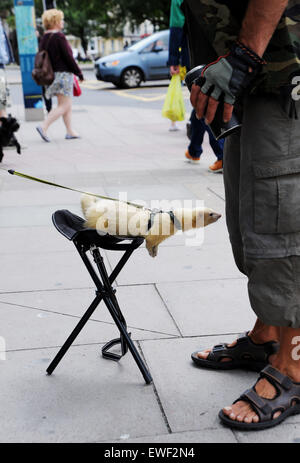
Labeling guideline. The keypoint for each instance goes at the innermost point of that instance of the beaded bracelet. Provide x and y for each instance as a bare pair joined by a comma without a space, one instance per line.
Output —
251,53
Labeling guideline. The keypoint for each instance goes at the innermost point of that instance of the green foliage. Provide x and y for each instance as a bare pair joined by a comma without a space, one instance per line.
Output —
89,18
136,11
6,8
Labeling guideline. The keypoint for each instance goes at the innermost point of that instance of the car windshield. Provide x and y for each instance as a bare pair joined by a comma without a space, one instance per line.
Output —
144,42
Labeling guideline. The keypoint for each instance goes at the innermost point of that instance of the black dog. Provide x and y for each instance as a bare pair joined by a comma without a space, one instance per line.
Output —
8,126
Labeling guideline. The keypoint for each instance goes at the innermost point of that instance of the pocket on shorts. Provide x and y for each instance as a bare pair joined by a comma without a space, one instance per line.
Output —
277,196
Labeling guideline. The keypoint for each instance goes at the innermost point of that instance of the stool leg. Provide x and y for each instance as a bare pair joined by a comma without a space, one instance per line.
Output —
124,333
73,335
112,304
111,294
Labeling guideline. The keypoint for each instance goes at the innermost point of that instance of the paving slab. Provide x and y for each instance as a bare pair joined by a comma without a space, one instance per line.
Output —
225,301
57,270
47,195
32,216
157,192
191,397
179,263
285,433
24,328
141,305
202,190
218,189
30,240
88,399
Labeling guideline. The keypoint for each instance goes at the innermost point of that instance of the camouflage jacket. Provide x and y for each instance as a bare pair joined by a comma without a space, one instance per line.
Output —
220,21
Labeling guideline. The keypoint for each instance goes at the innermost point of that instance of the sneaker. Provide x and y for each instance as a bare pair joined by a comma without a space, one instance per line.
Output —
190,158
173,128
216,167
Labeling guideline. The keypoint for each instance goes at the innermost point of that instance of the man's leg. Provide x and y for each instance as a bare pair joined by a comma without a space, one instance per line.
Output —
287,361
269,224
261,333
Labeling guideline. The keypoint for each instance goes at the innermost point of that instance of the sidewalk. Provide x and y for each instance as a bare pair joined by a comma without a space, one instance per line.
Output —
186,299
14,74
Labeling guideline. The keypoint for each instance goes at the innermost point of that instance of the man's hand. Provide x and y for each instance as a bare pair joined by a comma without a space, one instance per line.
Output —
207,106
259,24
174,70
224,80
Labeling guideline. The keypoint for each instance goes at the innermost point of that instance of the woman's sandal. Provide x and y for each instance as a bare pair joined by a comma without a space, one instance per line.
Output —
287,401
245,354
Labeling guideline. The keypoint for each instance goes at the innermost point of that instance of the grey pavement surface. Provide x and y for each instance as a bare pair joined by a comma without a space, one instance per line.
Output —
191,296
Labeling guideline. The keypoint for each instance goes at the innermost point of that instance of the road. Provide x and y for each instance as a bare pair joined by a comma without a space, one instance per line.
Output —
101,93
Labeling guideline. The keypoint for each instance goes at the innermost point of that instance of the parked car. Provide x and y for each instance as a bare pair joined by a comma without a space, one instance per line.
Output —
145,60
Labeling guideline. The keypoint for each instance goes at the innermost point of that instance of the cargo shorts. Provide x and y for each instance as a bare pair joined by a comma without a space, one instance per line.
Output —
262,189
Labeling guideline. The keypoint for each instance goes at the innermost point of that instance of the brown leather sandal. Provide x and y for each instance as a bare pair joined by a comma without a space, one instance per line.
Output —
245,354
287,401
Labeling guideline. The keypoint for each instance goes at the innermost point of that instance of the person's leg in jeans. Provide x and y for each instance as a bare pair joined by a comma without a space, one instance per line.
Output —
197,133
217,145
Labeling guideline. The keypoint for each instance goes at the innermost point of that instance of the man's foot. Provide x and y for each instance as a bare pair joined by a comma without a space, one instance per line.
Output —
216,167
264,412
248,352
256,339
191,158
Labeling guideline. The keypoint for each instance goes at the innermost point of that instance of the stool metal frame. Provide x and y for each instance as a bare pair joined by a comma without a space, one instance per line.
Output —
85,240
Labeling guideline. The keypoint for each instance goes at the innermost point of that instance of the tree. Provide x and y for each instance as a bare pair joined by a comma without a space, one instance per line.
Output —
89,18
6,8
136,12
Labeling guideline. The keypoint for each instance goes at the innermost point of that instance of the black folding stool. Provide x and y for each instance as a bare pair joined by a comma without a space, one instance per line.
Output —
85,239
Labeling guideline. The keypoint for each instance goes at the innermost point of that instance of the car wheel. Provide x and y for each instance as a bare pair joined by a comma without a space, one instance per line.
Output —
131,77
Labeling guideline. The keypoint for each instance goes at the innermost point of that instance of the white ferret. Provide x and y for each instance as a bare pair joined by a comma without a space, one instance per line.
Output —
121,219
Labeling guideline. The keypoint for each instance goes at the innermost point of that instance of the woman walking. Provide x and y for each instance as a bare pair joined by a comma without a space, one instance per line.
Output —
64,67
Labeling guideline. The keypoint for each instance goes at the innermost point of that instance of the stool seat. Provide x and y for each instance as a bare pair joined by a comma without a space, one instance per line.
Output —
72,227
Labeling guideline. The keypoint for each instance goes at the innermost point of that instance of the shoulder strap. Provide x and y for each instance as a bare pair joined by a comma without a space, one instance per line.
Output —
48,41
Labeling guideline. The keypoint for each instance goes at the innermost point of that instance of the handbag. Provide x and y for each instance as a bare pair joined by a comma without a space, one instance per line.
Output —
76,87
